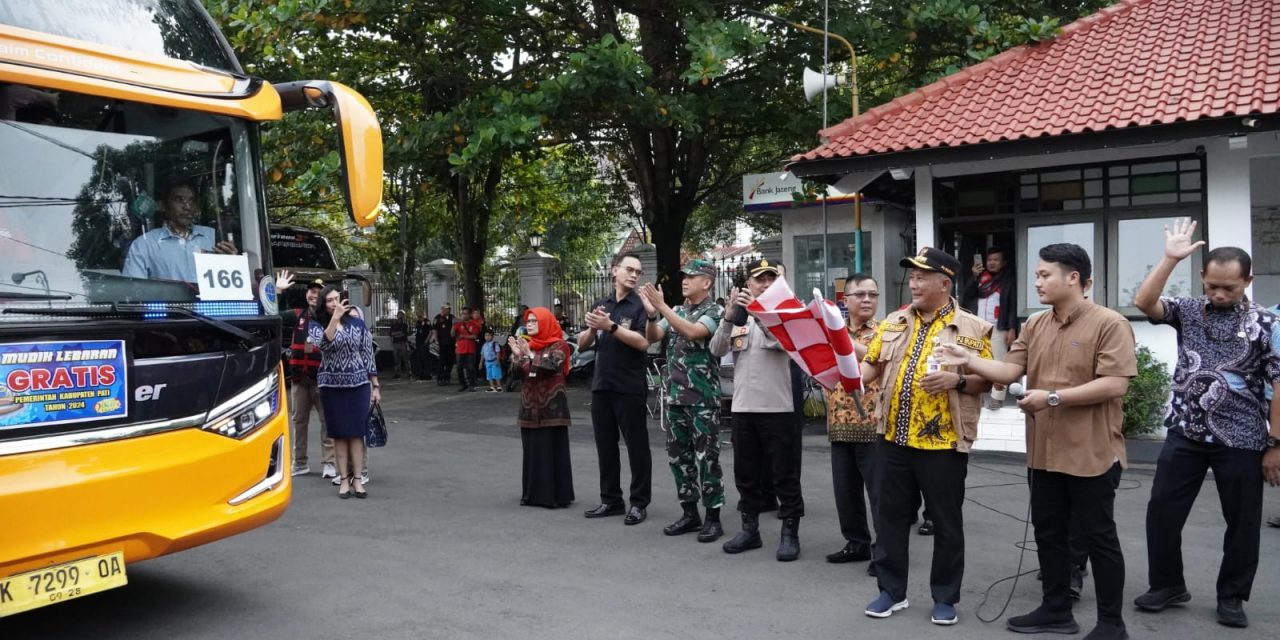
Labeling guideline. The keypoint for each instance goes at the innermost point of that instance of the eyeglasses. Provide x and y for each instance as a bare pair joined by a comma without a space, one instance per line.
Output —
866,294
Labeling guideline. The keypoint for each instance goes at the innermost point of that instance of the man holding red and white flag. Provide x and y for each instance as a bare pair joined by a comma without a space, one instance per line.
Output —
764,435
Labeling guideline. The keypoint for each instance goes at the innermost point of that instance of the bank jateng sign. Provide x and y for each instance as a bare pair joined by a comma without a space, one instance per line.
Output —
763,191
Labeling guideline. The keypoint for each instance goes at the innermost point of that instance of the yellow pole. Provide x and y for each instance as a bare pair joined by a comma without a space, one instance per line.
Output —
853,62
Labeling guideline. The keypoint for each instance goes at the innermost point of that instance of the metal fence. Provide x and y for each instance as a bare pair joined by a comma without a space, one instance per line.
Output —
576,295
501,299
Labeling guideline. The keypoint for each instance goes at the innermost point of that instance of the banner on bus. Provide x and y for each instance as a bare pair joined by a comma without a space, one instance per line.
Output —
48,383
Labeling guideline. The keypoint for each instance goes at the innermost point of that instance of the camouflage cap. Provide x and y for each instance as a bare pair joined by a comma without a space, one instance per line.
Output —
699,267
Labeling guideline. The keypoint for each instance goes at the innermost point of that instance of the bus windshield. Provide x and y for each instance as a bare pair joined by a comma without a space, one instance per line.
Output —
169,28
104,201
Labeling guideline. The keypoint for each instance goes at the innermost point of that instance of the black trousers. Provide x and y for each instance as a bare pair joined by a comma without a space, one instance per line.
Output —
467,369
1067,509
853,466
901,473
767,441
447,358
614,414
1180,472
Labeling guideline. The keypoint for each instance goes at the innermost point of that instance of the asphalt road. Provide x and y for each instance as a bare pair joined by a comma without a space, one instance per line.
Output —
442,549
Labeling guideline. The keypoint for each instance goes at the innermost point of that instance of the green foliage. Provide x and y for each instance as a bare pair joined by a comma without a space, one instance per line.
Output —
908,45
674,102
1144,403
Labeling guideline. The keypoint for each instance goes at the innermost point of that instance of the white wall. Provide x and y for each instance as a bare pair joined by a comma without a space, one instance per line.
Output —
884,222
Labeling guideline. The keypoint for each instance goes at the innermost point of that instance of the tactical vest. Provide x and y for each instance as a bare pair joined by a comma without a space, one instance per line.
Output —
303,365
964,329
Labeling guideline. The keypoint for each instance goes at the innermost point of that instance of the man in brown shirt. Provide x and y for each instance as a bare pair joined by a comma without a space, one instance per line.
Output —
1078,358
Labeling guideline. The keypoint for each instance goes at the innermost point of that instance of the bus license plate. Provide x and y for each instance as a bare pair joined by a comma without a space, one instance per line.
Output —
61,582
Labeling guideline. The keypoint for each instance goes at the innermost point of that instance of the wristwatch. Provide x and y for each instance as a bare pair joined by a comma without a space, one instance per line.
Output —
960,384
653,318
1054,399
613,328
1273,442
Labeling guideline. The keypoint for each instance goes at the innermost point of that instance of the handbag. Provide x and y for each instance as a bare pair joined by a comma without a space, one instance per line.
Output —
375,434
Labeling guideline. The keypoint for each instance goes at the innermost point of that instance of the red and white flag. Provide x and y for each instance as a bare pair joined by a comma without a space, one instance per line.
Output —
814,335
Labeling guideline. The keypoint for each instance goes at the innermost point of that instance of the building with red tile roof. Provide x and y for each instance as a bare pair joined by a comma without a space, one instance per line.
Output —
1146,111
1135,64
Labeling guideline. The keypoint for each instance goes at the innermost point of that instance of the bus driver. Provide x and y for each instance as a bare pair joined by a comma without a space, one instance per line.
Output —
165,253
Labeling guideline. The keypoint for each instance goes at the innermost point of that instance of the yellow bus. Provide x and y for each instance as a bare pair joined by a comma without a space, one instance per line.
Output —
142,404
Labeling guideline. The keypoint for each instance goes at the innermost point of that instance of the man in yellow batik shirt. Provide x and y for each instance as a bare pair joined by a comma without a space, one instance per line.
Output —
929,419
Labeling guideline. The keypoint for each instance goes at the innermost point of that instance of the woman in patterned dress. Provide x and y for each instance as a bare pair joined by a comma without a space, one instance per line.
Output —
348,382
541,359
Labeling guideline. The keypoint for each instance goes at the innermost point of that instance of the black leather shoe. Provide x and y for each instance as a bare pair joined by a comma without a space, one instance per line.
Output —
1231,613
635,516
852,552
871,570
926,528
1274,521
1157,600
604,511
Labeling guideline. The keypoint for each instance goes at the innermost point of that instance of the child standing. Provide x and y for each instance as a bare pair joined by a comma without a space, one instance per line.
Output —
490,353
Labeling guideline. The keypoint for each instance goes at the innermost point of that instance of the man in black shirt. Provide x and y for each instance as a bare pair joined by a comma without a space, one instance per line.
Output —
616,325
443,326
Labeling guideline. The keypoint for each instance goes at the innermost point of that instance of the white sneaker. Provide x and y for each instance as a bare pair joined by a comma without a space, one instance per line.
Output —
300,471
329,471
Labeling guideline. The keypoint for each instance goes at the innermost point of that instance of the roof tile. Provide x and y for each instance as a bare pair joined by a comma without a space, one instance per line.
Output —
1134,63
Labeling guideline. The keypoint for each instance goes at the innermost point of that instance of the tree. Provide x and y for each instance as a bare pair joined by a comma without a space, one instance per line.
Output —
679,97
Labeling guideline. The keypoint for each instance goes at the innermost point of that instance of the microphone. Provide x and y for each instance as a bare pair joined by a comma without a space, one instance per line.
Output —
1017,390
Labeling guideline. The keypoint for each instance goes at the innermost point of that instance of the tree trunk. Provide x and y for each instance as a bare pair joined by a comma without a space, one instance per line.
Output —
473,206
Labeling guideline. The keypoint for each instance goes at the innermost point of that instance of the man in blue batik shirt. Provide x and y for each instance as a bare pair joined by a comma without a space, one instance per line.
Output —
1219,417
166,253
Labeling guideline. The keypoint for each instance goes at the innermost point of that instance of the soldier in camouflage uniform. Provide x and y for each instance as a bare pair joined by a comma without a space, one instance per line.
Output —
692,397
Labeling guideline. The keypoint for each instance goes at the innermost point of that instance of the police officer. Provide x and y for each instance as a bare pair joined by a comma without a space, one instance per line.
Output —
693,397
764,426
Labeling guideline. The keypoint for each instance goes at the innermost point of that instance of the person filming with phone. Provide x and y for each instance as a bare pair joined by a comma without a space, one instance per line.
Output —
348,379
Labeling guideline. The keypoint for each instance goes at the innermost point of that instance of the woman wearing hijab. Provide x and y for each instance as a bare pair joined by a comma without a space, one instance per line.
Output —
348,382
541,359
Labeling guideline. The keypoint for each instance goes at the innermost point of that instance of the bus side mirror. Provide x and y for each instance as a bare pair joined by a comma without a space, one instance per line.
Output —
359,136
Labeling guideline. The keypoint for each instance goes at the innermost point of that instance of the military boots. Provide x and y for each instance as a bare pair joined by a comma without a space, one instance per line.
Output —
687,523
748,538
711,529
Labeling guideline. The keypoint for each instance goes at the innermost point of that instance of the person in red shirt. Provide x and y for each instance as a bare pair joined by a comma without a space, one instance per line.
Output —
464,333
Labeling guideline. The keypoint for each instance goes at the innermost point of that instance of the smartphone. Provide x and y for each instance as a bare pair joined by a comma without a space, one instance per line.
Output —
344,296
977,259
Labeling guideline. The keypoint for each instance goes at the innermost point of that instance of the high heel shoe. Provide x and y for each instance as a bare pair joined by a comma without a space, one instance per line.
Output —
359,494
345,494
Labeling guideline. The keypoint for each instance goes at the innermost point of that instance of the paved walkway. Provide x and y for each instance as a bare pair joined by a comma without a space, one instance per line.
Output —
443,550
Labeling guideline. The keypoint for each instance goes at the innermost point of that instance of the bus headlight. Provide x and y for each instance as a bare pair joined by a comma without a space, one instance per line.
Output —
245,413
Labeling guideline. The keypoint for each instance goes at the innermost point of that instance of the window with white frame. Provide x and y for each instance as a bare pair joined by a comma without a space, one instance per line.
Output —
1116,211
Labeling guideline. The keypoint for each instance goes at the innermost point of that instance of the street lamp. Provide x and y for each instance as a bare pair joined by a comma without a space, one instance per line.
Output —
535,240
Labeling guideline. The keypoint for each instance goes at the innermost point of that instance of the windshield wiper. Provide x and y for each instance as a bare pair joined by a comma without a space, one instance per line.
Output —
247,340
18,295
